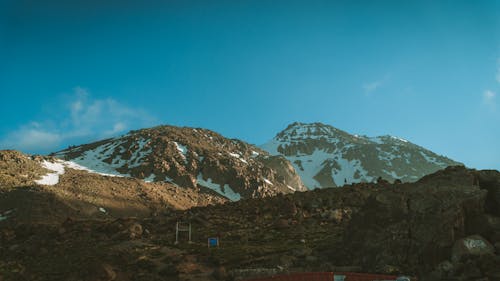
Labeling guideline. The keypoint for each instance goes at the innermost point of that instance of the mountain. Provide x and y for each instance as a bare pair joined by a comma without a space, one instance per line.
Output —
325,156
193,158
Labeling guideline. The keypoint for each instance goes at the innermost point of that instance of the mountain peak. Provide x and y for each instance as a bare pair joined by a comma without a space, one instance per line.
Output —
326,156
298,131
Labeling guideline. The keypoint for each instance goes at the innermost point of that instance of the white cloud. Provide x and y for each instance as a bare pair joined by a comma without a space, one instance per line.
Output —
370,87
118,127
30,138
489,99
374,85
489,96
84,119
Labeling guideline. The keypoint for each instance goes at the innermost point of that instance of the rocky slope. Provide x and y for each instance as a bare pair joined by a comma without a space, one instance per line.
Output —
191,158
446,226
325,156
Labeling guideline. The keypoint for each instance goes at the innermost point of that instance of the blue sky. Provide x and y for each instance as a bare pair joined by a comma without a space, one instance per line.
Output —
427,71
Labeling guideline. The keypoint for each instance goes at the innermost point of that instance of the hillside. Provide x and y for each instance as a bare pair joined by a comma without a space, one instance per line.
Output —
446,226
190,158
45,188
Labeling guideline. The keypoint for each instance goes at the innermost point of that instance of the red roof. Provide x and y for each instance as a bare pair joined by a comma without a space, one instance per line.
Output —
327,276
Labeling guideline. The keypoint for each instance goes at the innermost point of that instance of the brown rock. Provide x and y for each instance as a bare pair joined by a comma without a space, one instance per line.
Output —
135,231
336,215
108,273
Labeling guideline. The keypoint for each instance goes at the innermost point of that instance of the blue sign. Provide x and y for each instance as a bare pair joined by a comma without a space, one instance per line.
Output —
213,241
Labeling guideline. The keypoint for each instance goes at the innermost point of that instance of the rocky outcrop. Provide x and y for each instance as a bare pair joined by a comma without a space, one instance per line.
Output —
426,228
416,223
325,156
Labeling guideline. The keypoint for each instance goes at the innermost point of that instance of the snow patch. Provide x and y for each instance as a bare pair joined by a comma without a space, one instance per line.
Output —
237,155
75,166
291,188
311,165
377,140
102,210
93,160
268,181
181,148
51,178
348,170
227,191
432,159
399,139
150,178
392,174
140,153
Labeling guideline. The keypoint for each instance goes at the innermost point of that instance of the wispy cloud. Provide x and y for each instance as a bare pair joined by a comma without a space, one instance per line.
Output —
83,119
489,99
372,86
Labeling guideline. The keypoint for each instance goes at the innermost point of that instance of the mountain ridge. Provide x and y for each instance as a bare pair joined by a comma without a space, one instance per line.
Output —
189,157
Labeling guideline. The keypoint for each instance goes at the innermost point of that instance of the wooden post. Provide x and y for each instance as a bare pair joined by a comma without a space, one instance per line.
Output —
180,227
177,233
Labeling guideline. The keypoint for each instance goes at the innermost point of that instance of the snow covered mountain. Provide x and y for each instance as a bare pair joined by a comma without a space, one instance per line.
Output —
193,158
325,156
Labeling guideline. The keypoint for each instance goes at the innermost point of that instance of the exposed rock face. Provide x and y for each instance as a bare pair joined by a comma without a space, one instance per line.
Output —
325,156
18,169
193,158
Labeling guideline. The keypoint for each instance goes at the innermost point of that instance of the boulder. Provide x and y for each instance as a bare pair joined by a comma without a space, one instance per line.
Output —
135,231
336,215
471,246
